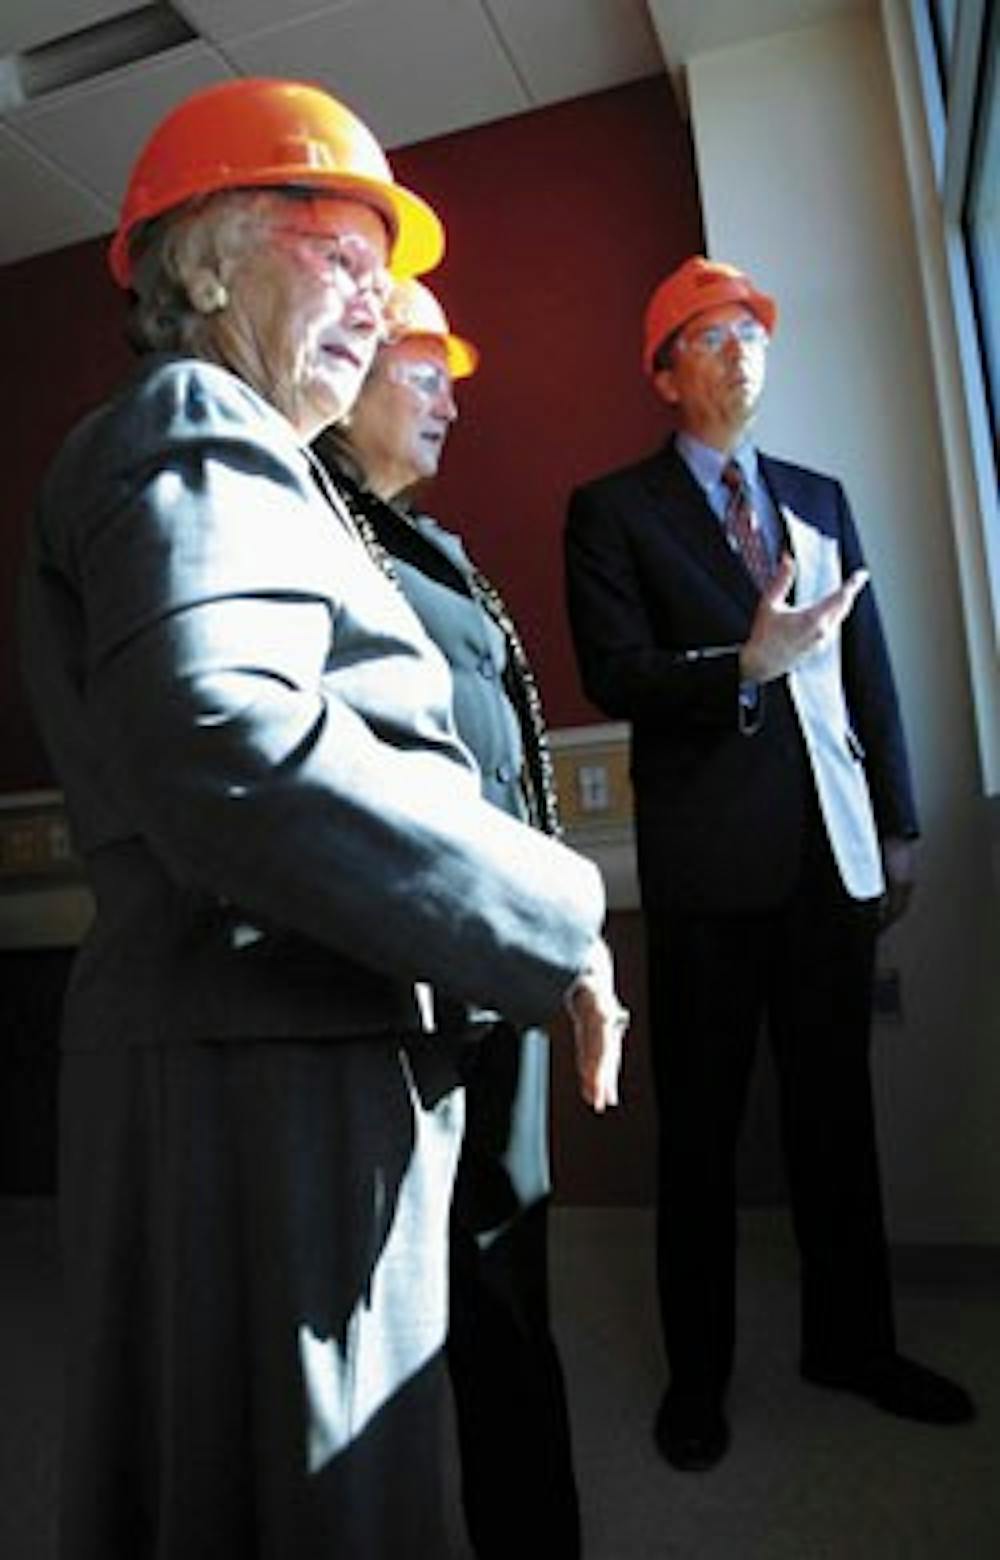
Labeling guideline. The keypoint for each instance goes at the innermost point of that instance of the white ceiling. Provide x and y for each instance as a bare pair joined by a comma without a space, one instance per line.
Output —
412,68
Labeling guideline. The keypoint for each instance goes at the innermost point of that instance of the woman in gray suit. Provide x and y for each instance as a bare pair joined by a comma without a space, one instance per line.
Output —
512,1418
293,872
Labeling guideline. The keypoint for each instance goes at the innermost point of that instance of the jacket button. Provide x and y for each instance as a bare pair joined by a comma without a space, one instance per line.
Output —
504,773
487,669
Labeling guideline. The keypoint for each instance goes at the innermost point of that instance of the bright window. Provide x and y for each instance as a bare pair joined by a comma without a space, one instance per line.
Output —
954,161
944,17
982,226
964,116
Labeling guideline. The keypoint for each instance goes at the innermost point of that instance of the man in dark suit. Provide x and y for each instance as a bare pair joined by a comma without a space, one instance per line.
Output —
513,1425
717,599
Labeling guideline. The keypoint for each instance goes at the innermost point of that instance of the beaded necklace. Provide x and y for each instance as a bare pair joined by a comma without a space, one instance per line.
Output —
538,778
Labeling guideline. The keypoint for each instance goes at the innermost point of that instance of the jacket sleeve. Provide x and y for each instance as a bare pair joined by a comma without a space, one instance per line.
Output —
634,662
872,700
277,754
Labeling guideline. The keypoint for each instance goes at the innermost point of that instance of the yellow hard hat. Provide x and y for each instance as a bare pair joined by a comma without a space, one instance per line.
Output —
413,310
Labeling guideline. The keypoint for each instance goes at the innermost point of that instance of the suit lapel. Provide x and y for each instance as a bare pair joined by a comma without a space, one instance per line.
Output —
330,491
415,540
444,546
678,501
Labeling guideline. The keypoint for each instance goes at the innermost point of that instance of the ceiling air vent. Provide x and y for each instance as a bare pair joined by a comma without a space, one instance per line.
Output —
80,56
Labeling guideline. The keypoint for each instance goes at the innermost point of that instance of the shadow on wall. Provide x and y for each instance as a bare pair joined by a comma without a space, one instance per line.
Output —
32,982
610,1160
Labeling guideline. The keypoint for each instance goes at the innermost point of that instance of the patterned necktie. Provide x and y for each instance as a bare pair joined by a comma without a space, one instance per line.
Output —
742,526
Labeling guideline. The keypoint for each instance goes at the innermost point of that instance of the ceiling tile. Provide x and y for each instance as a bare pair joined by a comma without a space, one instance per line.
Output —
566,48
42,208
25,23
411,68
219,20
95,130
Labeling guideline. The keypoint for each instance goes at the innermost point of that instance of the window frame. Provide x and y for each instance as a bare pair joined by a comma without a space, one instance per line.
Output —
939,99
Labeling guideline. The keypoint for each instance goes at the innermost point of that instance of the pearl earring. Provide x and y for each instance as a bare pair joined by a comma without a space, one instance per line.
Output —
207,293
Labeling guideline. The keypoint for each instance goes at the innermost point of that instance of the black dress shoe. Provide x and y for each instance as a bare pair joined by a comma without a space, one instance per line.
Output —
691,1432
899,1386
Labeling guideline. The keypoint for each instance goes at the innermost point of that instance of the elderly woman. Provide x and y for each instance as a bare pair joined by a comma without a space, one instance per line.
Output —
288,849
508,1383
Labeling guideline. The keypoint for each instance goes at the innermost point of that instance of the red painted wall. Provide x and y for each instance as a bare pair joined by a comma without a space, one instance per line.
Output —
560,222
63,350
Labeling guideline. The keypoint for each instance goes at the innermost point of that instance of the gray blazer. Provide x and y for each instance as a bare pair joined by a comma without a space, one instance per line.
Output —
255,740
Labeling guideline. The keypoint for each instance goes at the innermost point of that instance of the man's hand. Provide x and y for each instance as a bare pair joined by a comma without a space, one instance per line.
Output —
899,862
599,1024
781,635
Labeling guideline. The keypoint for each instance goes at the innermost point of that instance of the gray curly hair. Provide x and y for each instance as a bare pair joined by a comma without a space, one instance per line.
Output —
210,234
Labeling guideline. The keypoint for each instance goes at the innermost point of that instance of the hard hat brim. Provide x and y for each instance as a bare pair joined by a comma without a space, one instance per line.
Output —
416,231
419,233
463,357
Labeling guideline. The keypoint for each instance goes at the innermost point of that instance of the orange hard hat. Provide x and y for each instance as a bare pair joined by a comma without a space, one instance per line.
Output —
697,285
249,134
413,310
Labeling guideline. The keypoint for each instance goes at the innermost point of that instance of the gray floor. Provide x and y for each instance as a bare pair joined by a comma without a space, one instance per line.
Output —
812,1475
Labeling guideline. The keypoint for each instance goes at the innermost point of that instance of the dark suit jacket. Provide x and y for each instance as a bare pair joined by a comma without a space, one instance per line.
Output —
505,1160
659,606
254,736
434,572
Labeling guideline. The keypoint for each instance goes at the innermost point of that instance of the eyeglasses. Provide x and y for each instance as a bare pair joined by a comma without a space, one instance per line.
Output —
429,380
712,339
345,255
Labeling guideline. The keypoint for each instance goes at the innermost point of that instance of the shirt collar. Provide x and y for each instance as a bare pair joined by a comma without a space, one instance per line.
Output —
706,463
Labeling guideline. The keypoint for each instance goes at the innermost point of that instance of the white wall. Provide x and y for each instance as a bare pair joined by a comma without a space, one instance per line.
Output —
803,183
